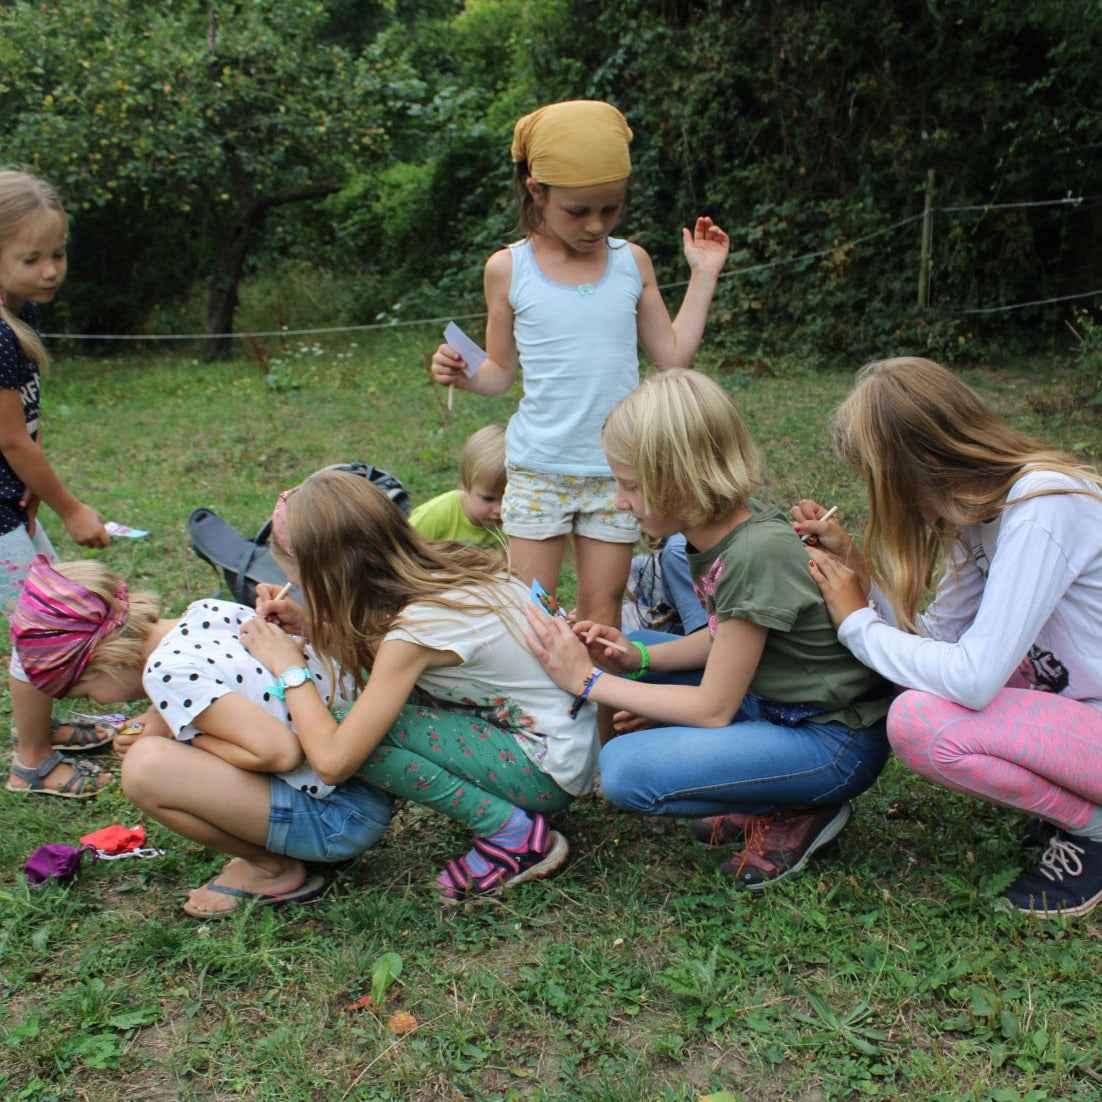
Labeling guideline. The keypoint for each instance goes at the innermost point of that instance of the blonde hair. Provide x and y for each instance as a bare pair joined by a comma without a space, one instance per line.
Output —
25,198
124,647
918,435
360,563
688,445
482,459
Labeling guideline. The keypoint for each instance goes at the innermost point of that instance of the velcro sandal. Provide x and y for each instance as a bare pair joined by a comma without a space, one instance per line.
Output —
87,780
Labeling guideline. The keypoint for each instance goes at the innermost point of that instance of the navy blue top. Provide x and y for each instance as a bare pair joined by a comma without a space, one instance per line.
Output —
17,372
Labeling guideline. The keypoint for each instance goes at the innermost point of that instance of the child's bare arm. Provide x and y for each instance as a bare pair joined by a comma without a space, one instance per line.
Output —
674,343
27,459
499,370
243,734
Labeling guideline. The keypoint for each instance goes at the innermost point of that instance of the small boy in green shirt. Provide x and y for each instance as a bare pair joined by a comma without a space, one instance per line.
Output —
472,513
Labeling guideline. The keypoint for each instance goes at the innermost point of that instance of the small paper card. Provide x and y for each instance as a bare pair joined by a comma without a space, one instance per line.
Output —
121,531
465,347
545,600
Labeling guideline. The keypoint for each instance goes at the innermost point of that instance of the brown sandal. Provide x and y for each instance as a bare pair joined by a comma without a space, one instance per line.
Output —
82,785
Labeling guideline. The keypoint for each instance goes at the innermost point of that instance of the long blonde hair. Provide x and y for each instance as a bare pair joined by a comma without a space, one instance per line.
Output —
360,563
25,198
688,445
918,436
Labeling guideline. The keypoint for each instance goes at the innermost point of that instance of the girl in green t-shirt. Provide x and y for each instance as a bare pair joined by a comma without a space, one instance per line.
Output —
761,729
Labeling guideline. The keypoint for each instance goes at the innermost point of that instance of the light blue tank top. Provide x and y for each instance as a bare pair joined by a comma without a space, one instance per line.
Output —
578,351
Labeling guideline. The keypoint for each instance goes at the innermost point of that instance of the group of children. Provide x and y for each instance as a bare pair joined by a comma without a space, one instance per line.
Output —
419,667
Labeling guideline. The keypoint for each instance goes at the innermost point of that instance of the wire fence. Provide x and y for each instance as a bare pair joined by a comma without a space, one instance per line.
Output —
740,272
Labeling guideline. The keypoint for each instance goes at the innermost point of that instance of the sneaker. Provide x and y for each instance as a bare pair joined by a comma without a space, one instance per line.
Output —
1068,881
1036,833
721,830
778,845
546,852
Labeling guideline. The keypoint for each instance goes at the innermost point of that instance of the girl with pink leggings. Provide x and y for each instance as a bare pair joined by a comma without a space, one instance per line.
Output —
1002,670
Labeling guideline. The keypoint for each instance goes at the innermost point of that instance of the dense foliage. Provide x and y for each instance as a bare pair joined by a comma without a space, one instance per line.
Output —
802,126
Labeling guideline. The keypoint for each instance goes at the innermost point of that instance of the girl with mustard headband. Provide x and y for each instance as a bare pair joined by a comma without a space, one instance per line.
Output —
573,304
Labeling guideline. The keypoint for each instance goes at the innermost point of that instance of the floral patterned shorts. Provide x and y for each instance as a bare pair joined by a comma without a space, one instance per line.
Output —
539,506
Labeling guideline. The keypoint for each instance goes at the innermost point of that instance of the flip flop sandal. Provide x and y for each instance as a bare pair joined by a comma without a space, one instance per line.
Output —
84,736
82,785
310,889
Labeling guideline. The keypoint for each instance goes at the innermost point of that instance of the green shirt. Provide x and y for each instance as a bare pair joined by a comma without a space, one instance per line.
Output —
758,572
442,518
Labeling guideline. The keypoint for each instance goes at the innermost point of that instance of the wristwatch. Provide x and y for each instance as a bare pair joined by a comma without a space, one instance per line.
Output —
291,679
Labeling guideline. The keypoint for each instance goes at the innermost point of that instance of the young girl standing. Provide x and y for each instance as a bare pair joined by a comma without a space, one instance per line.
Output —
487,740
1004,665
33,231
227,770
573,304
784,727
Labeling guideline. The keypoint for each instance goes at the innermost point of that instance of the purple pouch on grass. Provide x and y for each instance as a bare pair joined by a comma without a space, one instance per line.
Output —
55,860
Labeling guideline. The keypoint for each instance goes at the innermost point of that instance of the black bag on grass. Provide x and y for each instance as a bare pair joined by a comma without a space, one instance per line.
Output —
245,562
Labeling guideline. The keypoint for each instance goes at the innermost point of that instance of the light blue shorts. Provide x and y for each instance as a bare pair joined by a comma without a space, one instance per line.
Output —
17,551
351,819
539,505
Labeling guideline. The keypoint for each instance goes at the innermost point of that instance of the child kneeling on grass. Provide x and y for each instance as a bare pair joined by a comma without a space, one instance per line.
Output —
783,727
489,740
228,771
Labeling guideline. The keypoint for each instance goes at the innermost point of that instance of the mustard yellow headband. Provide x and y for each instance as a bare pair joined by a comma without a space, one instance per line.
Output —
579,143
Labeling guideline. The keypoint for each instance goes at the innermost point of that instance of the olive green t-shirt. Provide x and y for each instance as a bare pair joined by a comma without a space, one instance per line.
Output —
758,572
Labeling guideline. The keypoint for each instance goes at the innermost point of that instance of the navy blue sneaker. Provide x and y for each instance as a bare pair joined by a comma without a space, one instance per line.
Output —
1068,881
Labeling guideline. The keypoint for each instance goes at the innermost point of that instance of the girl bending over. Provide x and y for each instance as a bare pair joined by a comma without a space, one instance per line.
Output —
1004,666
488,739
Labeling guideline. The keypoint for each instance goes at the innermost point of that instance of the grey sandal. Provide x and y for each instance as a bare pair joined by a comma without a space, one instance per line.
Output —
82,785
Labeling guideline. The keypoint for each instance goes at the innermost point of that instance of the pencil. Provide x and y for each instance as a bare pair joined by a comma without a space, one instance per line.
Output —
812,540
283,592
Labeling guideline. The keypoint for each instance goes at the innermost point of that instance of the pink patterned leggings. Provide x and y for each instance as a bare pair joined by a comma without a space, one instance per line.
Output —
1036,752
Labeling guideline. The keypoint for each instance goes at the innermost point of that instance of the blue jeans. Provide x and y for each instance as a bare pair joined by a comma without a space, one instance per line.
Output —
351,819
751,765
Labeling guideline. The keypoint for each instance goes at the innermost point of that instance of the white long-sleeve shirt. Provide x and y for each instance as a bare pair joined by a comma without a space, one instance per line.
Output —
1023,591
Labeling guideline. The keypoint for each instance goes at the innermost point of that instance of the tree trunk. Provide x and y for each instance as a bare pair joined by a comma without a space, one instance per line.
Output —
222,289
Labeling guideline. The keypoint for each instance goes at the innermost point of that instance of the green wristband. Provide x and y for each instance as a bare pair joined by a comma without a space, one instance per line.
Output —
644,654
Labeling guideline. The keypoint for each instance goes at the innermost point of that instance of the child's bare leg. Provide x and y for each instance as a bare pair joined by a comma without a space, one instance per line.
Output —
214,803
540,559
31,711
603,570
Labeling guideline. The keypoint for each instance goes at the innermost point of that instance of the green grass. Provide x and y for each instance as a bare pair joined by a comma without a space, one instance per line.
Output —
887,970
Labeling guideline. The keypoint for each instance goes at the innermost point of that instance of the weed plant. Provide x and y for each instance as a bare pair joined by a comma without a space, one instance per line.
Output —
887,970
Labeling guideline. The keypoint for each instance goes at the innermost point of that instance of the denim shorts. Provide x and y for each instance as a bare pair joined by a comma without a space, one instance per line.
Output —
351,819
540,506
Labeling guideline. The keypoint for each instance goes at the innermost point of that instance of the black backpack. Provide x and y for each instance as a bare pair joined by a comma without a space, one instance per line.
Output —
245,562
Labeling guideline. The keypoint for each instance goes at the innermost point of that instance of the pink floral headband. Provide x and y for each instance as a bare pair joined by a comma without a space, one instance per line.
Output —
58,623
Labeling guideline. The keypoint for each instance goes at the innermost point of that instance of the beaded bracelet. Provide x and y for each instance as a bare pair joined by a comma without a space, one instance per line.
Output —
583,692
644,654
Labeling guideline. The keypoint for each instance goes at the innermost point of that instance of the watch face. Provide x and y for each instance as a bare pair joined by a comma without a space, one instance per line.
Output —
294,677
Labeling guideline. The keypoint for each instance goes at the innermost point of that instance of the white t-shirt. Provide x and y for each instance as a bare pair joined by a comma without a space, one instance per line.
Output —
1025,592
501,679
202,659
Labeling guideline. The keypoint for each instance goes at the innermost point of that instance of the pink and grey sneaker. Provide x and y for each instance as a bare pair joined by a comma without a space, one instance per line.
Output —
545,853
779,845
722,830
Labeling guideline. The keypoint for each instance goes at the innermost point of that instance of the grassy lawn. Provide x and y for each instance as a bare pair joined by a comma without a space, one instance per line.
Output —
887,970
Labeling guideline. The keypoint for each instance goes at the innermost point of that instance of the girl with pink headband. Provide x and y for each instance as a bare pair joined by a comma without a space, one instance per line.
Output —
227,770
570,305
